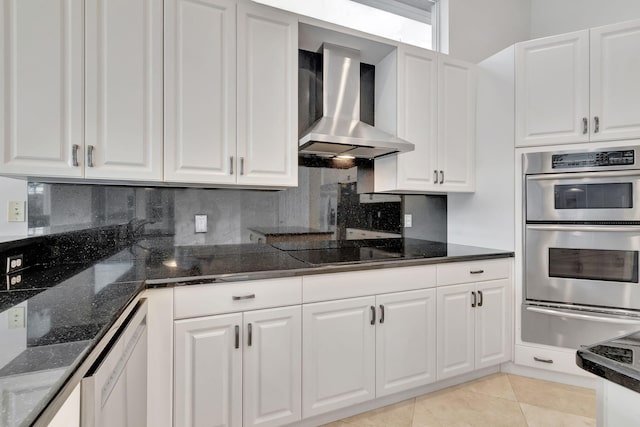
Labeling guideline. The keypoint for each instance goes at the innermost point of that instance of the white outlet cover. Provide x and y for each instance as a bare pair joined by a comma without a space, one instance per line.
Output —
408,220
201,223
16,317
16,211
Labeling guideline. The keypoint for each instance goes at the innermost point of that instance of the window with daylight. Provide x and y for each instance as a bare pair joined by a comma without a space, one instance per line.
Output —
409,21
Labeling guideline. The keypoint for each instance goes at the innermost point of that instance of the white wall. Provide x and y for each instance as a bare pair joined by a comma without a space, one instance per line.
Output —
549,17
12,189
478,29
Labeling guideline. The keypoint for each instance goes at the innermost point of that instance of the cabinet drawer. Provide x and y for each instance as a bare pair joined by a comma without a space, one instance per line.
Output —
474,271
204,300
549,359
324,287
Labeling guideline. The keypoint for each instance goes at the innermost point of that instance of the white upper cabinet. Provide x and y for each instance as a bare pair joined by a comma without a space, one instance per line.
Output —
436,112
615,81
200,91
579,87
456,125
267,97
123,64
552,90
230,94
41,87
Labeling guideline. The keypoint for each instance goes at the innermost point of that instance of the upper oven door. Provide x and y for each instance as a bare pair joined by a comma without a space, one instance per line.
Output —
585,265
587,196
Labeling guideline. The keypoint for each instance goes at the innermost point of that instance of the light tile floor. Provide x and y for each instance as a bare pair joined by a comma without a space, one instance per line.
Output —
492,401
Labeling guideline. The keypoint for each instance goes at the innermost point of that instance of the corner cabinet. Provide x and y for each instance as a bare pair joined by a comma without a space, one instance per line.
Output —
230,94
69,55
436,105
579,87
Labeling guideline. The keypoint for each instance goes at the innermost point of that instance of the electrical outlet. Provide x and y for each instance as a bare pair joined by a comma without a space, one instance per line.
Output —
408,220
16,317
201,223
16,211
15,263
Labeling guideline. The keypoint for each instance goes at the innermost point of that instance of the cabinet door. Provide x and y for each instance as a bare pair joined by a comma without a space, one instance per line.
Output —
615,81
417,88
552,90
208,371
337,354
272,366
493,323
455,330
456,124
124,89
200,91
267,97
41,87
405,341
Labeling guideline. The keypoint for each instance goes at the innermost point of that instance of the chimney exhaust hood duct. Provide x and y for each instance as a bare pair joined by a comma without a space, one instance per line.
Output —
340,132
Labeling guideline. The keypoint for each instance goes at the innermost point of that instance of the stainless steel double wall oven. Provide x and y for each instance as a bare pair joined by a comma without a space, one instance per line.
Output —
582,240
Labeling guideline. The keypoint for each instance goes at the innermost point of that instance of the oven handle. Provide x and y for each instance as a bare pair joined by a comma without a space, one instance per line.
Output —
579,175
607,228
573,315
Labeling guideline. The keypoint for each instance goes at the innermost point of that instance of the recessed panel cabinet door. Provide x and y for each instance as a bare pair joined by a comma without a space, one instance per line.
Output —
552,90
338,354
456,124
417,89
405,341
272,366
41,87
200,91
124,89
267,97
615,82
493,323
455,342
208,372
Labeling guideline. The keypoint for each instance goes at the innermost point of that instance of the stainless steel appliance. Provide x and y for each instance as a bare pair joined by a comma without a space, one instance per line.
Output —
114,393
582,239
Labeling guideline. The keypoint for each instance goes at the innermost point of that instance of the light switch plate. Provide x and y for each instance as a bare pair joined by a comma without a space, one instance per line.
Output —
201,223
408,220
16,211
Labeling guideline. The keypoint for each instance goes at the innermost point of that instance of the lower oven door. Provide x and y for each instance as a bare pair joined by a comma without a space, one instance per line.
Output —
584,265
562,327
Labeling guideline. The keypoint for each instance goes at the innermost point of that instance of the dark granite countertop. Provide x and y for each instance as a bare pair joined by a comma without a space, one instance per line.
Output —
617,360
281,231
70,305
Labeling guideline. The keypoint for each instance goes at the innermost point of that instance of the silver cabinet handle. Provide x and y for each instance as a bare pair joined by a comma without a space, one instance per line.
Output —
250,328
537,359
241,165
435,177
74,155
231,165
596,124
241,297
481,298
441,177
90,149
237,336
476,271
473,293
373,315
585,125
381,313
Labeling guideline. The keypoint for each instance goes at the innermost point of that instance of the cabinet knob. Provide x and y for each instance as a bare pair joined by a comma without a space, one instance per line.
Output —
481,298
585,125
441,177
373,315
250,333
231,165
74,155
435,177
241,165
474,303
90,149
537,359
596,124
237,336
381,313
241,297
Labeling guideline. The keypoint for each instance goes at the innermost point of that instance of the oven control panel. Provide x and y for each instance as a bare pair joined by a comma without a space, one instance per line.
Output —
593,159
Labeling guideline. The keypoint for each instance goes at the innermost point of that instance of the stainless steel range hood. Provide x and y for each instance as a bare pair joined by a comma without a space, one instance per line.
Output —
340,132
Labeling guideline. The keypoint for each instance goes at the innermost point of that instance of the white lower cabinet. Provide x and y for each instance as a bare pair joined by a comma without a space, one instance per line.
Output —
238,369
360,348
474,326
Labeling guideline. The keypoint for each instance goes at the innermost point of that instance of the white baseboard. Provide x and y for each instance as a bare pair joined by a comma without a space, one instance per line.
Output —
395,398
542,374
